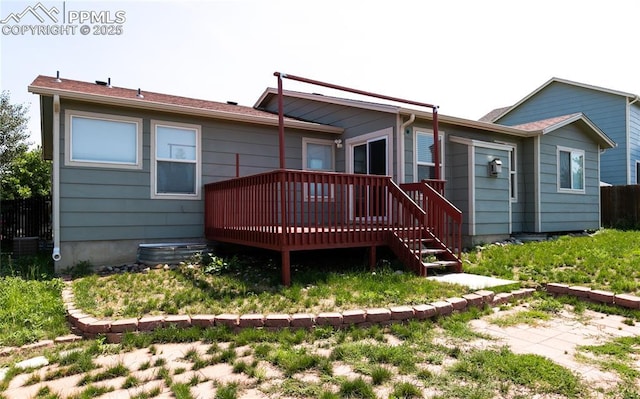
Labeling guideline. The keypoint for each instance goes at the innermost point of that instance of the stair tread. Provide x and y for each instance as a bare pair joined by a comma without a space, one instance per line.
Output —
430,250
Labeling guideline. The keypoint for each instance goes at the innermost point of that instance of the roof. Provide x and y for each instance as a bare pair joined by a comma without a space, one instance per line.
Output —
104,94
545,126
493,114
497,115
527,130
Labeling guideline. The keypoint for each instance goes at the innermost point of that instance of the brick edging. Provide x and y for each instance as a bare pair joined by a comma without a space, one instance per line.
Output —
90,327
607,297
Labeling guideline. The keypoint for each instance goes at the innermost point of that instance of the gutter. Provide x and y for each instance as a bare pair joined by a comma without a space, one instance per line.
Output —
55,184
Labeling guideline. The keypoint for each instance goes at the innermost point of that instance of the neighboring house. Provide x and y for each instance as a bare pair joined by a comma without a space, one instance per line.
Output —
135,167
616,113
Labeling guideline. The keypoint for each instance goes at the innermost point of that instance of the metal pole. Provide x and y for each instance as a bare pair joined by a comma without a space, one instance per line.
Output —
280,119
356,91
436,143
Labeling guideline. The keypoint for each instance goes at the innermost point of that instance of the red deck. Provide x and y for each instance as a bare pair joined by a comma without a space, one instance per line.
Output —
292,210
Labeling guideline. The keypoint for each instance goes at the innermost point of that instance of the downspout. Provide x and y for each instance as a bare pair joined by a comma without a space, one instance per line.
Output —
400,157
55,184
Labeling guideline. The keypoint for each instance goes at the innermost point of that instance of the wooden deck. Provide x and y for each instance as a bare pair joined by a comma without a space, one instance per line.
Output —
292,210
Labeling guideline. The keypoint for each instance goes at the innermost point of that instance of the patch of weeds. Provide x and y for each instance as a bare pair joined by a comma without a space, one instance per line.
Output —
380,375
401,356
151,393
530,317
240,366
405,390
12,372
292,361
34,378
293,387
425,375
179,370
75,362
181,391
30,310
532,371
164,374
457,324
130,382
119,370
262,351
357,388
144,366
93,391
160,361
45,393
226,356
228,391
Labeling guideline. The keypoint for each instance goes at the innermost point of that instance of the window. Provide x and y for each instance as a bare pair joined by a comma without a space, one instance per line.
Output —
100,140
425,160
318,155
570,169
637,172
176,160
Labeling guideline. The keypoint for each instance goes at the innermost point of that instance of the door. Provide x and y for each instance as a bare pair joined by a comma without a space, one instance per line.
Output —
370,158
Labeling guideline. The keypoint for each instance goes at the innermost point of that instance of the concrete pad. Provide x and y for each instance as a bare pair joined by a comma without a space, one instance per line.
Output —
473,281
35,362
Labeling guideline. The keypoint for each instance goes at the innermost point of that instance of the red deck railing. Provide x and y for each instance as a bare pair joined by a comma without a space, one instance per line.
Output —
289,210
444,220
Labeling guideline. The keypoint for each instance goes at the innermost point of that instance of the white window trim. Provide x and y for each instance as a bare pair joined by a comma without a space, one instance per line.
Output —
584,171
331,144
154,178
441,135
513,174
69,161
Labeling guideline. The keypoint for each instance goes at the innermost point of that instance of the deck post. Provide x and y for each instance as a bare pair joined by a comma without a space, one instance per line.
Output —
372,258
286,268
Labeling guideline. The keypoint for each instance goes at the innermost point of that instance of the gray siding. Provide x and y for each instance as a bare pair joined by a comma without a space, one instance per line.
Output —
458,181
100,204
491,194
607,111
634,140
527,187
354,121
561,211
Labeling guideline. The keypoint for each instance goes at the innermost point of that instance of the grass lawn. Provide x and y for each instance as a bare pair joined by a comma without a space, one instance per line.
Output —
252,285
443,356
608,259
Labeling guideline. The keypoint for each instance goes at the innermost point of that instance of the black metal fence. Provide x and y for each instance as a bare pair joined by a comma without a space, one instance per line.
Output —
30,217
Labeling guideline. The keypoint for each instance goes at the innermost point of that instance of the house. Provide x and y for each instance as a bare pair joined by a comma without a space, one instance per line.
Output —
616,113
134,167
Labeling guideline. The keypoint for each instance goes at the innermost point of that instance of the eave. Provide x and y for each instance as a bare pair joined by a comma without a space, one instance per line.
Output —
181,109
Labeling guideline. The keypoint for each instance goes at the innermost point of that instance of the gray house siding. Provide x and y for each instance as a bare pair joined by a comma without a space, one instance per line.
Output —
527,196
634,140
492,203
607,111
354,121
562,211
458,186
106,212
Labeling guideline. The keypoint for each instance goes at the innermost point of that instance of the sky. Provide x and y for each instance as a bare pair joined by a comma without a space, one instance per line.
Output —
466,56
